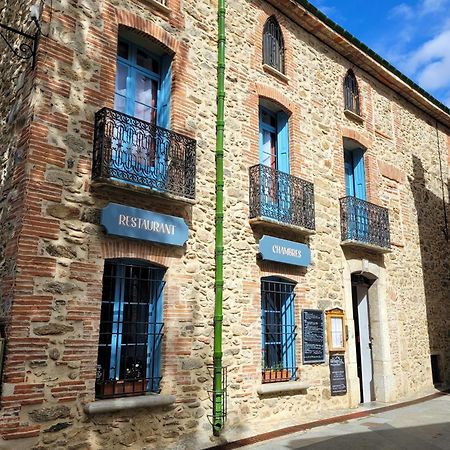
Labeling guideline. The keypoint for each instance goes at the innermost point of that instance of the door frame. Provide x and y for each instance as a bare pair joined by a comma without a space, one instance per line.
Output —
360,293
384,381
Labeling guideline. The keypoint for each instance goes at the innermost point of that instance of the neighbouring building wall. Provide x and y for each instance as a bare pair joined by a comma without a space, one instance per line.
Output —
51,363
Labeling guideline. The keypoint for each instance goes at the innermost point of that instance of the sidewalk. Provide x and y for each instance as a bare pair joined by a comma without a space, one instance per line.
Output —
421,424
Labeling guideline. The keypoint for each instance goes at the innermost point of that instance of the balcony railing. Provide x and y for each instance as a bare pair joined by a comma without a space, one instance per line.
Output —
281,197
140,153
364,222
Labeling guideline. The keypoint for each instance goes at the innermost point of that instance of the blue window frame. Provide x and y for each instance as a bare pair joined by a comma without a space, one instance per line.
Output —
131,328
274,139
355,186
143,84
278,329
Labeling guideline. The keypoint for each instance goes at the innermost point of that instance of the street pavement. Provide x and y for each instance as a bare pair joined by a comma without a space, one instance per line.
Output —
423,426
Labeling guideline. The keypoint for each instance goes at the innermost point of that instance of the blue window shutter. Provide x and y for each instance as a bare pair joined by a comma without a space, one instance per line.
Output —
163,118
283,142
359,175
349,182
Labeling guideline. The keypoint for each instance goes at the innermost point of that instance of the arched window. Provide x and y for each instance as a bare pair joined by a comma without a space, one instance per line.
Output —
278,329
129,349
273,45
351,93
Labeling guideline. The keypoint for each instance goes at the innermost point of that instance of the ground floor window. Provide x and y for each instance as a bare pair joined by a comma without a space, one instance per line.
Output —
131,327
278,330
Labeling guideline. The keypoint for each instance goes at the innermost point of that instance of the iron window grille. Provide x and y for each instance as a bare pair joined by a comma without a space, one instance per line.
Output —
278,330
351,93
138,152
281,197
364,222
131,329
273,45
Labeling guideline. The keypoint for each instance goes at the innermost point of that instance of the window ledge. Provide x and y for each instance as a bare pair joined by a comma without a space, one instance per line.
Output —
159,6
126,403
353,115
272,223
275,72
282,388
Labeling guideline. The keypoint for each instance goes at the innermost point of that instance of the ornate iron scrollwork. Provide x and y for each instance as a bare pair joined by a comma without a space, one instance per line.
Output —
139,152
24,50
281,197
364,222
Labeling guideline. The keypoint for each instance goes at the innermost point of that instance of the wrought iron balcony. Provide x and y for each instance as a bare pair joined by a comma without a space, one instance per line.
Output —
137,152
281,197
364,223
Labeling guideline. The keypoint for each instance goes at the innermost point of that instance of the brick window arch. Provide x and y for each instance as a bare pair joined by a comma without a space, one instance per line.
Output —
351,93
273,45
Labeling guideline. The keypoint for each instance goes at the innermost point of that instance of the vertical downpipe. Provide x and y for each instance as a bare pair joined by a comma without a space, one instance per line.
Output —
218,413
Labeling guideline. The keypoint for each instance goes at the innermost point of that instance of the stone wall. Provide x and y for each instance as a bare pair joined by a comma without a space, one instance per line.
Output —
52,344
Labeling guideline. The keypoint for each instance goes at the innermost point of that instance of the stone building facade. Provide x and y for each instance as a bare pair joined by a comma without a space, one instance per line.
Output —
294,141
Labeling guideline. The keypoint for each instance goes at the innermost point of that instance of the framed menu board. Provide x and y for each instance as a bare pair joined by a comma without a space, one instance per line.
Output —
336,330
338,381
313,333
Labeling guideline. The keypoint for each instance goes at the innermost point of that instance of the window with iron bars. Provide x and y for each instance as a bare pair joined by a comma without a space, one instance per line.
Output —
351,93
273,45
131,329
278,330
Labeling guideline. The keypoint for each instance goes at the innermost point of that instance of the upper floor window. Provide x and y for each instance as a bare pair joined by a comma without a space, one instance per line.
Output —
129,348
273,45
351,93
274,138
143,83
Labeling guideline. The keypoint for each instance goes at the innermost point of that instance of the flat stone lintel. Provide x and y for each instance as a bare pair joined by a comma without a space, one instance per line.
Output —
282,388
375,248
265,221
122,404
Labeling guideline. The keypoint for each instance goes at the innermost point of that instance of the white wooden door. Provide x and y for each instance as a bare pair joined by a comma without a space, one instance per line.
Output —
365,345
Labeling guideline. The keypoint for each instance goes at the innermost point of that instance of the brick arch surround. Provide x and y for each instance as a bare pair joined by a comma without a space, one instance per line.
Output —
132,249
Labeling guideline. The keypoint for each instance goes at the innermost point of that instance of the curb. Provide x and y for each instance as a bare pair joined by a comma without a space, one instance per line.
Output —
318,423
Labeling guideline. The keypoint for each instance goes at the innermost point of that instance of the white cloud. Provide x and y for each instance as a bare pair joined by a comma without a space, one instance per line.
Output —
431,62
432,6
402,11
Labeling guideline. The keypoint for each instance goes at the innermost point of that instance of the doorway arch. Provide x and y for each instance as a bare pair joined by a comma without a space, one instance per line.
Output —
383,389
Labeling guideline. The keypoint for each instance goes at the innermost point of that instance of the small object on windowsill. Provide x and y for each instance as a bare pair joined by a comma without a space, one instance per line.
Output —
352,115
159,5
275,375
275,72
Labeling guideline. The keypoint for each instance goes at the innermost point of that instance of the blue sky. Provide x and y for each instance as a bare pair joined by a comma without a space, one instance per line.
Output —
413,35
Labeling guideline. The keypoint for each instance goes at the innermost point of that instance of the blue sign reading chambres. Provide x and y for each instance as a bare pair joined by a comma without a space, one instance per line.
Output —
138,223
287,252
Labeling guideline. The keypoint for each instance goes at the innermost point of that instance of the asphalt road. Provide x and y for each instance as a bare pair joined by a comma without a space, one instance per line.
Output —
424,426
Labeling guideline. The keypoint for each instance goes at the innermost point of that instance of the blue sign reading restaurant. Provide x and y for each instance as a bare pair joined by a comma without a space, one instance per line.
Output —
283,251
138,223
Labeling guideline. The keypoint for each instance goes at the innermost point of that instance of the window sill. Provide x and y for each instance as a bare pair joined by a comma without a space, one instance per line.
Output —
352,115
160,6
151,401
275,72
288,387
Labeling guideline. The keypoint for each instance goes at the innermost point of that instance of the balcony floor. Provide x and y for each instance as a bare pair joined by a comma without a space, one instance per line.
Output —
365,245
267,222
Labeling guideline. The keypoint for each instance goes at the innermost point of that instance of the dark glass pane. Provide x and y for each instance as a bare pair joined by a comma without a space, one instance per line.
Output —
146,61
123,49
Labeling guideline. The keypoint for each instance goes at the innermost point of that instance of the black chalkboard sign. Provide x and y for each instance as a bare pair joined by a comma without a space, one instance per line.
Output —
313,330
337,374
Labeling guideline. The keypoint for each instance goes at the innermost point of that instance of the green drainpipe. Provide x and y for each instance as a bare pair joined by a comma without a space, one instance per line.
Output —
218,413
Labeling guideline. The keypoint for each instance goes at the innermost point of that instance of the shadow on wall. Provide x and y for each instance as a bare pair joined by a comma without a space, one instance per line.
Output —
434,249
